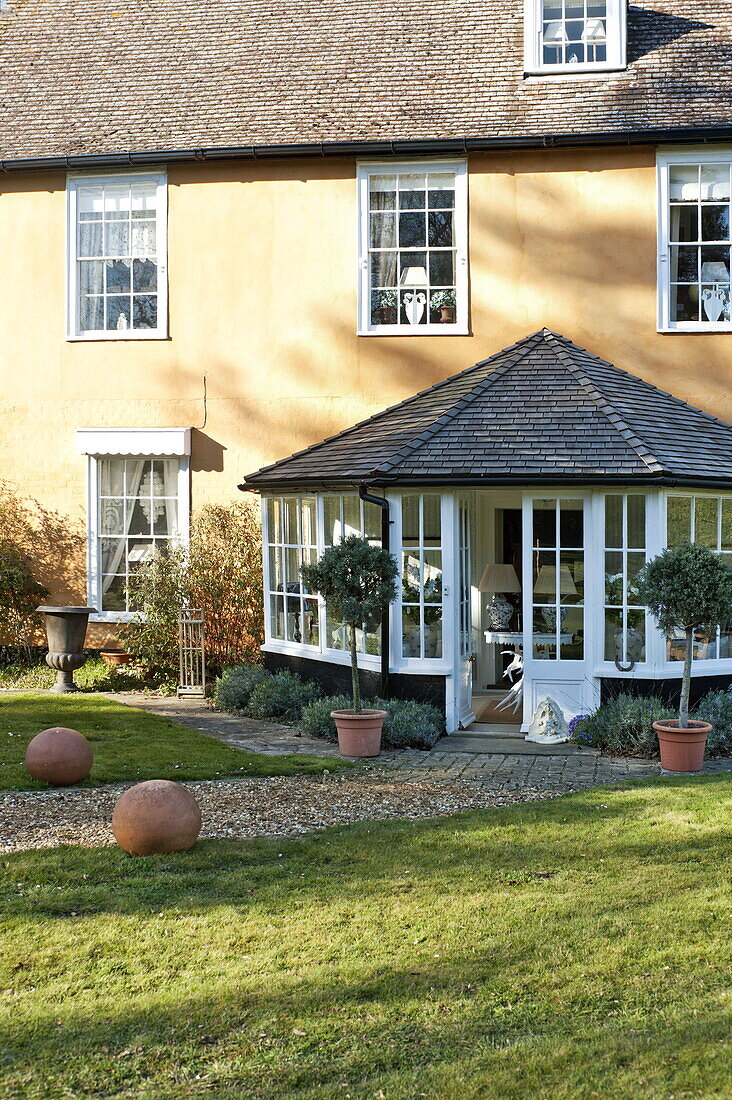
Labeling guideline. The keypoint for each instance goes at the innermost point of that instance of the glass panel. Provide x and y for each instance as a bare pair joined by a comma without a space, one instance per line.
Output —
277,616
411,571
311,628
410,632
382,192
544,630
442,268
372,522
545,523
410,521
111,517
274,520
432,576
571,576
276,581
614,577
118,313
572,645
715,181
352,515
431,520
636,636
685,303
289,515
636,561
678,525
335,631
292,569
706,511
684,182
293,624
141,522
412,190
113,594
91,314
145,311
91,277
726,523
144,240
545,576
637,522
144,275
90,201
332,520
685,263
90,239
166,518
118,277
715,223
111,477
412,230
613,521
439,229
571,523
433,632
614,634
308,522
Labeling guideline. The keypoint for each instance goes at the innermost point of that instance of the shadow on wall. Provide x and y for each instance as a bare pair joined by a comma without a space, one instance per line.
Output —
55,544
207,455
649,30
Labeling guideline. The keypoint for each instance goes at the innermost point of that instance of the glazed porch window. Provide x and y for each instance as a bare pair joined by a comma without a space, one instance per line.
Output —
625,555
346,514
421,576
117,263
558,570
699,243
138,514
292,542
706,520
413,249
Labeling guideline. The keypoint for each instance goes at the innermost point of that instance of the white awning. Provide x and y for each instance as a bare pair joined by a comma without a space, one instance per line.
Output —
134,441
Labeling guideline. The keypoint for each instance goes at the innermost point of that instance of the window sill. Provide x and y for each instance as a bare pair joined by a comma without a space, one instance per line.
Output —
415,330
113,618
126,334
572,72
312,653
695,326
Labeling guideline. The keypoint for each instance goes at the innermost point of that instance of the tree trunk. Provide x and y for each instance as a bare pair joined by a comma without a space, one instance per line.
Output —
686,681
355,684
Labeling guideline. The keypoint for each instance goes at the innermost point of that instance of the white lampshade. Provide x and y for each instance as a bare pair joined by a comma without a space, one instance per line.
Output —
715,272
499,578
414,276
546,582
555,33
594,31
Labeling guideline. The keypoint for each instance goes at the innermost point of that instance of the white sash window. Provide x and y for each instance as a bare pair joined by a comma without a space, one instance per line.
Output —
574,35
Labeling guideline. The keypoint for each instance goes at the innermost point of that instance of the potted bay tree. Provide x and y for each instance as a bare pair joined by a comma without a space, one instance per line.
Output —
686,589
357,581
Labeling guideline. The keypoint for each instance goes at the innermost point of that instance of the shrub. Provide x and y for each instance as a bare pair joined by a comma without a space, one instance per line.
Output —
281,697
623,726
316,720
20,594
220,571
235,686
716,708
410,725
407,724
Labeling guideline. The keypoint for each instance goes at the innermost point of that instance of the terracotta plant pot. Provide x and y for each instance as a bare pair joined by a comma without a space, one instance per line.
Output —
682,750
115,657
447,315
359,734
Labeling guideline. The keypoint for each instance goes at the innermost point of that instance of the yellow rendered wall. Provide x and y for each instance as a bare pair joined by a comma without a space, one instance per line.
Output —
263,282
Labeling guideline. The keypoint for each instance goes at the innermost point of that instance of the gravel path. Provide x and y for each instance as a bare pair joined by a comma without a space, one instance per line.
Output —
282,807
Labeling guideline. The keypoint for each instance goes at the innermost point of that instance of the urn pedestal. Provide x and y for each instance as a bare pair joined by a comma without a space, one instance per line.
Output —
66,632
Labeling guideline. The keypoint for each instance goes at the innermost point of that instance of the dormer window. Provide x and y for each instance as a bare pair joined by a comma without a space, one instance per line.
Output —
574,35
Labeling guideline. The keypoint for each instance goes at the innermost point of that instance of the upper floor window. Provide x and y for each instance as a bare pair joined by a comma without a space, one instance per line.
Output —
694,241
574,35
413,248
117,256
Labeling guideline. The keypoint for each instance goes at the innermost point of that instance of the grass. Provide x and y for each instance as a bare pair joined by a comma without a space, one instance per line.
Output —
129,744
576,948
95,675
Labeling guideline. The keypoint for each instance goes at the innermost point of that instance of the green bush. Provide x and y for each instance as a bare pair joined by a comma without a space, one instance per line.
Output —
235,686
716,708
316,720
281,697
408,725
623,726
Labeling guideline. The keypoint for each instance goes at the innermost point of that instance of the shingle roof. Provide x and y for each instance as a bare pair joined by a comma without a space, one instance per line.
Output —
84,77
542,410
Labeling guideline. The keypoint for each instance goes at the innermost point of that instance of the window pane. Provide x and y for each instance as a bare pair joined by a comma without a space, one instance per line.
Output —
433,632
111,473
384,274
311,628
352,514
636,636
372,522
332,511
685,263
685,303
431,520
411,632
91,314
411,577
613,521
410,520
118,277
289,515
571,523
571,576
432,576
636,561
684,223
544,626
684,182
614,577
307,521
715,223
678,526
614,634
726,523
276,576
637,521
274,520
545,523
440,229
412,191
705,522
118,313
113,593
382,191
91,277
112,517
412,230
383,231
572,646
144,275
277,616
145,311
144,239
335,631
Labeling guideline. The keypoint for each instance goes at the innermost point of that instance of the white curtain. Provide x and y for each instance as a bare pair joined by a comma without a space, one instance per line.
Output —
112,516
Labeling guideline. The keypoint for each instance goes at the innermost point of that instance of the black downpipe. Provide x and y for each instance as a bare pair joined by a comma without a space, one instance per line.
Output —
382,503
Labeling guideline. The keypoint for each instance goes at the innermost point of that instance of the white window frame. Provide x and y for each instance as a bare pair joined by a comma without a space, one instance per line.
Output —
73,329
616,33
365,169
101,443
665,158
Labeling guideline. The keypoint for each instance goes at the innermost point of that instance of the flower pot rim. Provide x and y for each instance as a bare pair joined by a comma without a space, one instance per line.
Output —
365,714
671,725
67,610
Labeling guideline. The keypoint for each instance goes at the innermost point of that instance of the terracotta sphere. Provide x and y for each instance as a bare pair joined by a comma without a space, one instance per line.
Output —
156,817
59,756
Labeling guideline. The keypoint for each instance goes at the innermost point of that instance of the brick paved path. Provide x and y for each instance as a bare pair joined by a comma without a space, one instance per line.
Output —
573,770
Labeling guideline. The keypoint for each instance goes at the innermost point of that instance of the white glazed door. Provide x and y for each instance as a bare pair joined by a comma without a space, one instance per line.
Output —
465,626
557,649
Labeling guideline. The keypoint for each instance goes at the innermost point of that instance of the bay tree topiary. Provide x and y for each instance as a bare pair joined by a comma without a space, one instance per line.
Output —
686,589
357,581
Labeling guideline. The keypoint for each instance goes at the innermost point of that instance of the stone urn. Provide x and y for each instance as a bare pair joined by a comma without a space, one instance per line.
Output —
66,631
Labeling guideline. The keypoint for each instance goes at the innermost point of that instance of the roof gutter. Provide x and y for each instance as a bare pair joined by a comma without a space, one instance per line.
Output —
666,481
386,149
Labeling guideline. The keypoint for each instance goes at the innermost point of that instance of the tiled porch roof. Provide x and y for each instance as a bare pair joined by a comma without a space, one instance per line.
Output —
541,411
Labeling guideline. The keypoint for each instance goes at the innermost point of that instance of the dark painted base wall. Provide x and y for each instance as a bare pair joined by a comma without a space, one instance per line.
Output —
668,690
336,679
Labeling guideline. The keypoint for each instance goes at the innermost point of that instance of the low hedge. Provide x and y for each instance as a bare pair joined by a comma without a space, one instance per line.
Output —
408,725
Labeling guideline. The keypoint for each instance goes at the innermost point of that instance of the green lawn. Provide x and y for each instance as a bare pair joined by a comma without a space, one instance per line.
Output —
565,949
129,744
